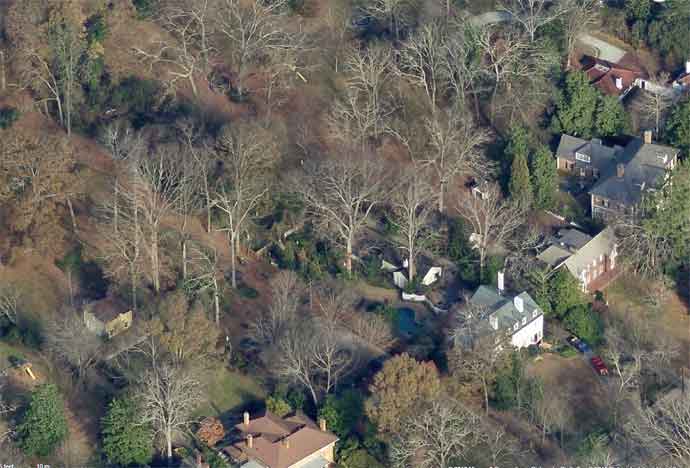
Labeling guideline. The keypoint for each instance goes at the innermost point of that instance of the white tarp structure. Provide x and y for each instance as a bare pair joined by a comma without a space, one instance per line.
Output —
399,279
433,275
388,266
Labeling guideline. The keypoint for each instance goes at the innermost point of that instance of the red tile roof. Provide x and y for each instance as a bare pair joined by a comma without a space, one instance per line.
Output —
603,75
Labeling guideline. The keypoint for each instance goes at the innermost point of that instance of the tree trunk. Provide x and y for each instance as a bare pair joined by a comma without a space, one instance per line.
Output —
411,272
485,387
348,256
184,258
3,79
71,213
441,198
216,303
155,268
233,260
168,442
193,85
133,279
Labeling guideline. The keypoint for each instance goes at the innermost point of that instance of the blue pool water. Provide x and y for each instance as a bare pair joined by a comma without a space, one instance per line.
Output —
406,325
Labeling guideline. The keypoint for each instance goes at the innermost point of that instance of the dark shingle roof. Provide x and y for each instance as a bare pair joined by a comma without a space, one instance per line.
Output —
601,156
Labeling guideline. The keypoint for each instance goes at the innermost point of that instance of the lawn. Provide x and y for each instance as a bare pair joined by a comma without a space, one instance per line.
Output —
228,390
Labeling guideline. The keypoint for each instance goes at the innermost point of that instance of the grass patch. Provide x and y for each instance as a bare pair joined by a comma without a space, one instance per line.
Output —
228,390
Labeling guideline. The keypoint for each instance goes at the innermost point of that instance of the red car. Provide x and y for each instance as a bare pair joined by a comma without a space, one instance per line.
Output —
599,365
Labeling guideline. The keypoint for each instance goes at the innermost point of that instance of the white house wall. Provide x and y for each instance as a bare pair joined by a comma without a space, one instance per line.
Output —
525,336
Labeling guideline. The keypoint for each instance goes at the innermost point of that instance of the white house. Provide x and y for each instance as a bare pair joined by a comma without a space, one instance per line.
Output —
502,318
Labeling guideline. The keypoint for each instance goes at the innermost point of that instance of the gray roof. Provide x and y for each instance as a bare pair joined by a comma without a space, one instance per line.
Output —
602,243
554,255
601,156
571,239
644,168
503,308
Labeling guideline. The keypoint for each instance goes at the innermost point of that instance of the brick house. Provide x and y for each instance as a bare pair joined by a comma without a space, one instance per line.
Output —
617,177
591,260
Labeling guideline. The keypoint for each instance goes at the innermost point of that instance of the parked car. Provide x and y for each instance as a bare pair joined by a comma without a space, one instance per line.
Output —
599,365
579,344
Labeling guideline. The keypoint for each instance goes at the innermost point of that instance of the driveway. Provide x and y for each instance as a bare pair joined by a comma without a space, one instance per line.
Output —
602,49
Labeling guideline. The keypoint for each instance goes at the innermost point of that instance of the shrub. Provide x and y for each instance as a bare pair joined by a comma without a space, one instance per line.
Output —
583,322
145,8
8,115
96,28
342,412
278,406
247,291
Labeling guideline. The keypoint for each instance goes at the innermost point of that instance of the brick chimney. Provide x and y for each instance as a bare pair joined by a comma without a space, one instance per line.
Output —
620,170
647,137
246,418
250,441
322,424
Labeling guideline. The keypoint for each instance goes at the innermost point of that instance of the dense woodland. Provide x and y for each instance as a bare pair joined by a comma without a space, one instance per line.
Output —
235,171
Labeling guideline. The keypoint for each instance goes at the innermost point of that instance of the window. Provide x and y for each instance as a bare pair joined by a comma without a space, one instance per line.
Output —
524,321
582,157
515,327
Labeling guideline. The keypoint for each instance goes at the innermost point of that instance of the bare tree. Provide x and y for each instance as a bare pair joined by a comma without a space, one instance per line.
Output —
370,70
578,17
196,18
267,328
338,20
423,61
284,68
412,208
433,437
202,155
69,339
206,275
179,56
9,303
531,14
492,219
643,249
120,229
394,15
313,353
247,153
455,148
168,395
341,193
155,185
251,29
464,72
373,329
664,427
353,119
657,101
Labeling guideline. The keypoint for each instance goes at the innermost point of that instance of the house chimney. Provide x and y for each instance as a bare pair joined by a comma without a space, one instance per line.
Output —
246,418
501,282
687,67
620,170
322,424
493,321
250,441
619,82
286,442
519,305
647,137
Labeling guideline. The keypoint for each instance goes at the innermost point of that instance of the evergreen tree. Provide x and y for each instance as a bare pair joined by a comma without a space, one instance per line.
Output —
44,425
585,323
518,144
678,127
520,186
544,178
575,106
125,440
565,292
611,118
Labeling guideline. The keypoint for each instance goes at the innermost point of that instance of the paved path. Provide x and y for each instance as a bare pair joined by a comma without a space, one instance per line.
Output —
602,49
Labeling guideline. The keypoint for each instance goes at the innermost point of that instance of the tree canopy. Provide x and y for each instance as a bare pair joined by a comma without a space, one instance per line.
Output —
398,388
44,425
126,440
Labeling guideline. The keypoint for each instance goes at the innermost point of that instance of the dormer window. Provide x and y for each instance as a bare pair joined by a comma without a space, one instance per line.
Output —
524,321
582,157
515,327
